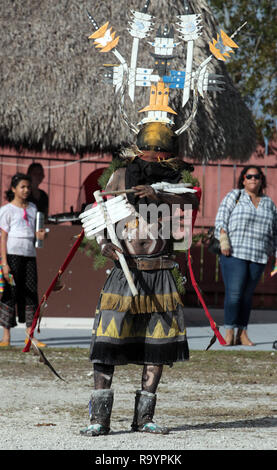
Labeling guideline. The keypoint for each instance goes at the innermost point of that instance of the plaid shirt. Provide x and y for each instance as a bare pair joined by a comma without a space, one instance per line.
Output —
252,231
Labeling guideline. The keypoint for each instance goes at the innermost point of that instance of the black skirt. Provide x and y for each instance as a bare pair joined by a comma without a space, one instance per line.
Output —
146,329
22,299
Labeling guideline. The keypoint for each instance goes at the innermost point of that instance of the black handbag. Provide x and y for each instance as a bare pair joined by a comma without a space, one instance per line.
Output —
214,243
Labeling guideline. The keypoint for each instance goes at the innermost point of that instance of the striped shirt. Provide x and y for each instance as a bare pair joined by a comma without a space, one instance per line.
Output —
252,231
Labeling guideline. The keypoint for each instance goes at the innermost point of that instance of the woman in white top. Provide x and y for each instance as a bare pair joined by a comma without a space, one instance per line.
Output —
18,258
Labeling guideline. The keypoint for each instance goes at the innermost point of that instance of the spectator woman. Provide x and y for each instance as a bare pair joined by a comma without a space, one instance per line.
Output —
18,258
246,225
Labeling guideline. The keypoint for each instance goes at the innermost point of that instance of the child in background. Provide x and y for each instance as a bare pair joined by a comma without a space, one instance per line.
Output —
18,254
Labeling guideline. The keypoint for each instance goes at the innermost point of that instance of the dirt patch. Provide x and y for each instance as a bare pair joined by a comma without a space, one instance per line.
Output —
216,400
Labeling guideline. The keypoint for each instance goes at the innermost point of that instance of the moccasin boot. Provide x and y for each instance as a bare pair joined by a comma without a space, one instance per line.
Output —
100,409
145,403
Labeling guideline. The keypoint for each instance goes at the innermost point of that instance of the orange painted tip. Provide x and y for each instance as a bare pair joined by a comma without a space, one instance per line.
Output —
111,45
100,32
227,40
218,54
216,51
157,107
103,42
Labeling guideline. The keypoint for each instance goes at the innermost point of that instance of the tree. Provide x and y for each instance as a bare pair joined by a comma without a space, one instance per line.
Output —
253,66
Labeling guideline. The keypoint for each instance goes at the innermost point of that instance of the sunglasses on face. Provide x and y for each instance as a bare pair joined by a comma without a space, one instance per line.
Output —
249,177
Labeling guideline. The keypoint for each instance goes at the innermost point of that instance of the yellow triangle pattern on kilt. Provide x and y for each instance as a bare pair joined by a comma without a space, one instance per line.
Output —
128,331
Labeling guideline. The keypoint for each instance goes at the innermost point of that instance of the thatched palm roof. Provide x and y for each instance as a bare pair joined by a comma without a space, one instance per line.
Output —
53,97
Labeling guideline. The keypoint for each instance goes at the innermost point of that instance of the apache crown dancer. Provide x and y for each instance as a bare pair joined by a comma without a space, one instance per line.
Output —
149,328
140,315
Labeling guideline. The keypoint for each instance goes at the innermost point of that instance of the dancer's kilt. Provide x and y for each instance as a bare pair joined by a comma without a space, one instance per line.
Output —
146,329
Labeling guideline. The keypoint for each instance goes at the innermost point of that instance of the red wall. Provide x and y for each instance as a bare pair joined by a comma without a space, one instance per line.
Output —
65,175
216,180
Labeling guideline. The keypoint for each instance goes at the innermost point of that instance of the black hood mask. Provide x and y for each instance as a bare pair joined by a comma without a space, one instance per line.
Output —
141,172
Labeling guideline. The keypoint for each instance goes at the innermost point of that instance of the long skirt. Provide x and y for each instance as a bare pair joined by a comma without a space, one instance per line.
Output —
146,329
21,299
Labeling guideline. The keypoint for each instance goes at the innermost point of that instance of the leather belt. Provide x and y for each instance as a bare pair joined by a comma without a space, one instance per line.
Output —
148,264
